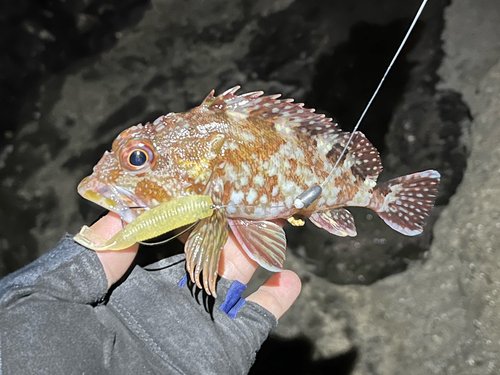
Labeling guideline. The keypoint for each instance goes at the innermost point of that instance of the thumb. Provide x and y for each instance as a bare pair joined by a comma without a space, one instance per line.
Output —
278,293
115,263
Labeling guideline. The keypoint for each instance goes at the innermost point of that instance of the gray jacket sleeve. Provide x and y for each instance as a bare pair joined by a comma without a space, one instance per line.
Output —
57,317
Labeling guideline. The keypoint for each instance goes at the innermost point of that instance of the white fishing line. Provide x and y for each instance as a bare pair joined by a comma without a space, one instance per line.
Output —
308,197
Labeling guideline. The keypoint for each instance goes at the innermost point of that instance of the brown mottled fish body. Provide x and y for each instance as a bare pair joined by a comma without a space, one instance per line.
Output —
253,155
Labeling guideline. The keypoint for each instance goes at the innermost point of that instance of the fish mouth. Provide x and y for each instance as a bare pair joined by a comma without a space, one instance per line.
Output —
113,198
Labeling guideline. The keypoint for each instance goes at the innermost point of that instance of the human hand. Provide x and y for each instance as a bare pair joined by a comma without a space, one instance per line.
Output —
276,295
149,323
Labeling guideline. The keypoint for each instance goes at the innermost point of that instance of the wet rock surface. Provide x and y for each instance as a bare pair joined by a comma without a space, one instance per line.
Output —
43,37
373,304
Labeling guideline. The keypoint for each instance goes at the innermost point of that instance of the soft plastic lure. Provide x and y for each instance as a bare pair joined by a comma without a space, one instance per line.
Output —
152,223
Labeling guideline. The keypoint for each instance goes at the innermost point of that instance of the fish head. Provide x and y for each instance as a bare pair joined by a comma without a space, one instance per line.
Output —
149,165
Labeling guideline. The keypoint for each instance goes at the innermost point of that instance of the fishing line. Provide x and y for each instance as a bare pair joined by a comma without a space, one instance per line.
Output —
306,198
170,238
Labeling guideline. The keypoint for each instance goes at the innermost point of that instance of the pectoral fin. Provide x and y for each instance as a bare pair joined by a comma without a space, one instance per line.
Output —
262,241
339,222
203,249
205,243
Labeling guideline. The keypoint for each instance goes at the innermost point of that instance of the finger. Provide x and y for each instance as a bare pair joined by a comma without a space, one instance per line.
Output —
234,263
115,263
278,293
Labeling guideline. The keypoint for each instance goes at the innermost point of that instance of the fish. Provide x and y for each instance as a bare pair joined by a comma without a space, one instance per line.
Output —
253,155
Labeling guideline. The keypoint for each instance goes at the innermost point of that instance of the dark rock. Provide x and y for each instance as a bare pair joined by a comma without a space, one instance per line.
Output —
43,37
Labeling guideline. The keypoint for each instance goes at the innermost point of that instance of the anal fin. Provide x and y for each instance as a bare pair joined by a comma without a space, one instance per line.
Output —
338,222
262,241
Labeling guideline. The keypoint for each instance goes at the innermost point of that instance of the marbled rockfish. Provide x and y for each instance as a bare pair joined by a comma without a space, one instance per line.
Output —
253,155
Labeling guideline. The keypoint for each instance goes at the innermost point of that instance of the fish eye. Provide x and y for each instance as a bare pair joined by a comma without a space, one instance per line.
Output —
137,156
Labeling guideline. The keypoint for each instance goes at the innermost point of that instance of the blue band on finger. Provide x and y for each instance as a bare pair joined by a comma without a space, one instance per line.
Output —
234,311
183,281
233,296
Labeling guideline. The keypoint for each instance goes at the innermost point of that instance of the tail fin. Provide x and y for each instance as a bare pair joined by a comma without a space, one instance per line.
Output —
408,201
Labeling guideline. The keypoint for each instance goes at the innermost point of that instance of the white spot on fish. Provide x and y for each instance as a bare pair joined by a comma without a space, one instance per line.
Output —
251,196
237,197
248,137
273,170
330,201
258,180
263,199
237,115
259,211
289,187
370,182
246,168
232,145
275,191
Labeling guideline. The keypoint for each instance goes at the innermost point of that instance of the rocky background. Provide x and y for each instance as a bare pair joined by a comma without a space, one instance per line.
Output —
74,73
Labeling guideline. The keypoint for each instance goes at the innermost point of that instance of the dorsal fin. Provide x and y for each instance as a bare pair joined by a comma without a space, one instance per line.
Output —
278,111
366,160
284,114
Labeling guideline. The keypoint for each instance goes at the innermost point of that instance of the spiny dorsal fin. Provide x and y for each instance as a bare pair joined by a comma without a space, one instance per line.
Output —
281,112
365,158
